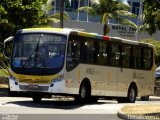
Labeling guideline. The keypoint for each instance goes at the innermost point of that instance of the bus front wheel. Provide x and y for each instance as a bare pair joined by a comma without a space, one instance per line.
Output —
37,98
84,93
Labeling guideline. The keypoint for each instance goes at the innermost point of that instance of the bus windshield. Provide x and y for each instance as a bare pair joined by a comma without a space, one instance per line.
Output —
39,52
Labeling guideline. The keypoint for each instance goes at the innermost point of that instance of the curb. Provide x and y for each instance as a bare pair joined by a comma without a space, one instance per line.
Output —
122,115
151,116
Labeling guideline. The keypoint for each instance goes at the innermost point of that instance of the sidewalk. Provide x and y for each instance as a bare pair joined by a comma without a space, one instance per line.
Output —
150,111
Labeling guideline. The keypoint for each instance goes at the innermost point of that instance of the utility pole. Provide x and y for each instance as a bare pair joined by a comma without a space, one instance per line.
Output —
138,20
61,13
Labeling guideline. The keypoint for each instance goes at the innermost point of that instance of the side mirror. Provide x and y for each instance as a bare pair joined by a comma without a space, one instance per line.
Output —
8,44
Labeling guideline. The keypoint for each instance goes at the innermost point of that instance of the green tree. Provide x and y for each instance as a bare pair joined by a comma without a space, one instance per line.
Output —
156,50
17,14
110,9
51,17
152,16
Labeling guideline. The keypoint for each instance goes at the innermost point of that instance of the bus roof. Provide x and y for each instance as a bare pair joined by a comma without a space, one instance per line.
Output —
82,33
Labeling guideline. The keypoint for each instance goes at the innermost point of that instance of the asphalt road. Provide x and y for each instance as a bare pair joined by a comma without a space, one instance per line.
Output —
22,108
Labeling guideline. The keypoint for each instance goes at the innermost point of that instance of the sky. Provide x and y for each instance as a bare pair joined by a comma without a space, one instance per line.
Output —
124,1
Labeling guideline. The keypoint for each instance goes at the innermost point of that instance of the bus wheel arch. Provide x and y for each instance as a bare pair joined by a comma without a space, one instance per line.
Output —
132,93
84,91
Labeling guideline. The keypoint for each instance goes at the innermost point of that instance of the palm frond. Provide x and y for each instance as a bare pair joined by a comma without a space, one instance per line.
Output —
143,27
125,14
57,16
90,10
127,22
53,20
106,17
122,6
4,65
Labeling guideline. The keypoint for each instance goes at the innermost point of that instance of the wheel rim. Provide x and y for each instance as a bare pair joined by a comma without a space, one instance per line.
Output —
83,92
132,95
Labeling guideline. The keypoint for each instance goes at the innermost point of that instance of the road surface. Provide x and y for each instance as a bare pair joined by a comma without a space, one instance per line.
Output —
22,108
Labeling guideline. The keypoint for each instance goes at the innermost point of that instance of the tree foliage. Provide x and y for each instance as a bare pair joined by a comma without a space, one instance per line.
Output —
152,16
110,9
51,17
17,14
156,50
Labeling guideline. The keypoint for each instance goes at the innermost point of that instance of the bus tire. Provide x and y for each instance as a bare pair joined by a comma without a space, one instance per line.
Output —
145,98
37,98
132,94
84,93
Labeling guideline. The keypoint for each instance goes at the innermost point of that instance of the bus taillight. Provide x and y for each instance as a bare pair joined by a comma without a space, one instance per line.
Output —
106,38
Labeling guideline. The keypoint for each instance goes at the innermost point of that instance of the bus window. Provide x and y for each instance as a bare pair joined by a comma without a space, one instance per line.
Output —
115,54
102,55
147,58
73,54
88,52
136,57
126,56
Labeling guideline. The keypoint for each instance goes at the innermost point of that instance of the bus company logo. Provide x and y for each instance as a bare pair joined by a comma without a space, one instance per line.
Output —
138,75
134,74
90,71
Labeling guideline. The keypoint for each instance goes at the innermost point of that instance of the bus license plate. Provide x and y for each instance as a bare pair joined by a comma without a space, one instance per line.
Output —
33,86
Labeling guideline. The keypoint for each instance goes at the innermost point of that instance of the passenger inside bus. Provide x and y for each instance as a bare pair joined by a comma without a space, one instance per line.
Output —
40,56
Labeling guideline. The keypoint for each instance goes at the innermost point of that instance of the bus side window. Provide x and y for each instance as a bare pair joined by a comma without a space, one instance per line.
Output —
126,56
136,51
88,54
115,54
147,58
102,55
73,54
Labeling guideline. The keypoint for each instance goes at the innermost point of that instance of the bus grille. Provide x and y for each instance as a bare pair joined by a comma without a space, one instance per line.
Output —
41,81
39,88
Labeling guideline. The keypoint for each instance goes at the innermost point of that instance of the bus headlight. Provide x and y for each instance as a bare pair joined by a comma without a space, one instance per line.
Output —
58,79
13,78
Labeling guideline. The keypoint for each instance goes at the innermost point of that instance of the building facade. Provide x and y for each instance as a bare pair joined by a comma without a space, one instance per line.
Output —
81,20
71,8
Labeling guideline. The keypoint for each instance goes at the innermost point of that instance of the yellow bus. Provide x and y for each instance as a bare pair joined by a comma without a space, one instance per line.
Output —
84,65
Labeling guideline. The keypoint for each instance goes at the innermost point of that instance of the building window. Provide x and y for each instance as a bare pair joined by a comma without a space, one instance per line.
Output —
135,8
71,7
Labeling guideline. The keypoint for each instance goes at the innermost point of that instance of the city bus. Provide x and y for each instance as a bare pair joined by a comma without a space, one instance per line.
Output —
86,66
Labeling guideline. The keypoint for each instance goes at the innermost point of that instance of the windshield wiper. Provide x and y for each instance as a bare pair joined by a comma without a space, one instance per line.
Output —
34,53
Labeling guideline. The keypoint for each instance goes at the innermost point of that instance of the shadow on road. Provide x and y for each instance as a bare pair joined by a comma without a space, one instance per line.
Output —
54,104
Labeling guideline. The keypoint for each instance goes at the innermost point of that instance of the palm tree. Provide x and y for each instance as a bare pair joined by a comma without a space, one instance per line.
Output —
110,9
50,17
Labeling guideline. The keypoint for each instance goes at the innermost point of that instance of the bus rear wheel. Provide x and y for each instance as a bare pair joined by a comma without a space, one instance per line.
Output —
132,94
131,97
